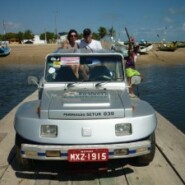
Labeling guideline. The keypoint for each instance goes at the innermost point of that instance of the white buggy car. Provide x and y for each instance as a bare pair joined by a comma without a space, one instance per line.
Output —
84,112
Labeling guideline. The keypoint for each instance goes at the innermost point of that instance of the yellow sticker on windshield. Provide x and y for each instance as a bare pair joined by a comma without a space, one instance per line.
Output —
56,64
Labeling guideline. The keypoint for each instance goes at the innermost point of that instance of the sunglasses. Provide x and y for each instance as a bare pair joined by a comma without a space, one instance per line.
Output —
73,35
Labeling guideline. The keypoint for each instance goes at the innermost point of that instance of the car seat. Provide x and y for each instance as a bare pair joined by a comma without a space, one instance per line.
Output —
65,74
99,71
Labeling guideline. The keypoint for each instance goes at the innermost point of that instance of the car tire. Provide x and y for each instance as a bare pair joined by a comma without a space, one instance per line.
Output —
146,159
23,162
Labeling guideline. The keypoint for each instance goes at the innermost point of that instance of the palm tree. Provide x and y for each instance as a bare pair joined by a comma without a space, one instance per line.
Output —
102,31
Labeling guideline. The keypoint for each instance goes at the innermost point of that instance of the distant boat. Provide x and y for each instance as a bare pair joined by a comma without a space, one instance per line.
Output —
118,46
180,44
4,49
168,46
121,49
144,49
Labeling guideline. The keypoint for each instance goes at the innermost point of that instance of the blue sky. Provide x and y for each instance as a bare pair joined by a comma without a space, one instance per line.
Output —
145,19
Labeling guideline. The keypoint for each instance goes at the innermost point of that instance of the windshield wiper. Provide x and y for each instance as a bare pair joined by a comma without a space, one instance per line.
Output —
71,84
100,84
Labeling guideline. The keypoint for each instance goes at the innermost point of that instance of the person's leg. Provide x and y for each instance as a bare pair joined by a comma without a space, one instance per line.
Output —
131,88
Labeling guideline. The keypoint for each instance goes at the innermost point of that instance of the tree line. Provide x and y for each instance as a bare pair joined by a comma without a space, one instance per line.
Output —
51,36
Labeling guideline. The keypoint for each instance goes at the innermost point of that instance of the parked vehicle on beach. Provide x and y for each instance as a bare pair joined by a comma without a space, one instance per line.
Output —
4,49
84,113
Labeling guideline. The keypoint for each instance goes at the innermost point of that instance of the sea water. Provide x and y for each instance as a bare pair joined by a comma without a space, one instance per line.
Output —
164,88
13,85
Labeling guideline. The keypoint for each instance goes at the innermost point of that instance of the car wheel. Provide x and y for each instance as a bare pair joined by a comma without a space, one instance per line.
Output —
146,159
23,162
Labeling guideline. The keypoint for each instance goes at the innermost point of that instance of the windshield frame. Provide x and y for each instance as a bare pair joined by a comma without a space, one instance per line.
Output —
114,59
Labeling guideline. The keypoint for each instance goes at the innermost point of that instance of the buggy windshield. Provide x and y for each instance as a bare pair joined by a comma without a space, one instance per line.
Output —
77,68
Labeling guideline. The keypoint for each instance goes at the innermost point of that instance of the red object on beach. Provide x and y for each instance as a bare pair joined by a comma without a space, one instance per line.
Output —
132,40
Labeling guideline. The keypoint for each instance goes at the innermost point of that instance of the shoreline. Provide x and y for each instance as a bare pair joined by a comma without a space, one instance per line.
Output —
163,57
35,54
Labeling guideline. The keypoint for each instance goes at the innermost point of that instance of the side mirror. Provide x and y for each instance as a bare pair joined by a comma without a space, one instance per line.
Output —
33,80
136,80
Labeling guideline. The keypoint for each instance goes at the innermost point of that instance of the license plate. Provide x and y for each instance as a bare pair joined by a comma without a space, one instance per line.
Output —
85,155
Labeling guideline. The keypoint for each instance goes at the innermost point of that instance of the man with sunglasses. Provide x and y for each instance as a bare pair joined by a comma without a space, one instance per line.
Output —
87,41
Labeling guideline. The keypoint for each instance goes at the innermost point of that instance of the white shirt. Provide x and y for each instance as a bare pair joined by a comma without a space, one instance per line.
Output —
93,45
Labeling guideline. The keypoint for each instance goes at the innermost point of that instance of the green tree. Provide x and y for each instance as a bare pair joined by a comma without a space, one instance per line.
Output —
49,36
102,31
28,34
20,36
9,36
80,35
1,37
96,36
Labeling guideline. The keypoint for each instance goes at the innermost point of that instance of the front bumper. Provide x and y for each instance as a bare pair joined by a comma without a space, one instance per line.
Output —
123,150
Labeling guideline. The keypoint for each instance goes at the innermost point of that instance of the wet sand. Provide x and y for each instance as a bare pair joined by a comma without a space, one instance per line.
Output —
33,54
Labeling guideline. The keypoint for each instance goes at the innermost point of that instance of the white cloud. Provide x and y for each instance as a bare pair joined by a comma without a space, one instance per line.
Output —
168,20
9,25
180,10
172,10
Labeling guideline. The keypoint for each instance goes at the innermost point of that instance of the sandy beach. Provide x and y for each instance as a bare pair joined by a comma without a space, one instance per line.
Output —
27,54
162,57
33,54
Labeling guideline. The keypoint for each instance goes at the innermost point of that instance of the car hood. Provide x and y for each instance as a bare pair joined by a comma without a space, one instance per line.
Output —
85,104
